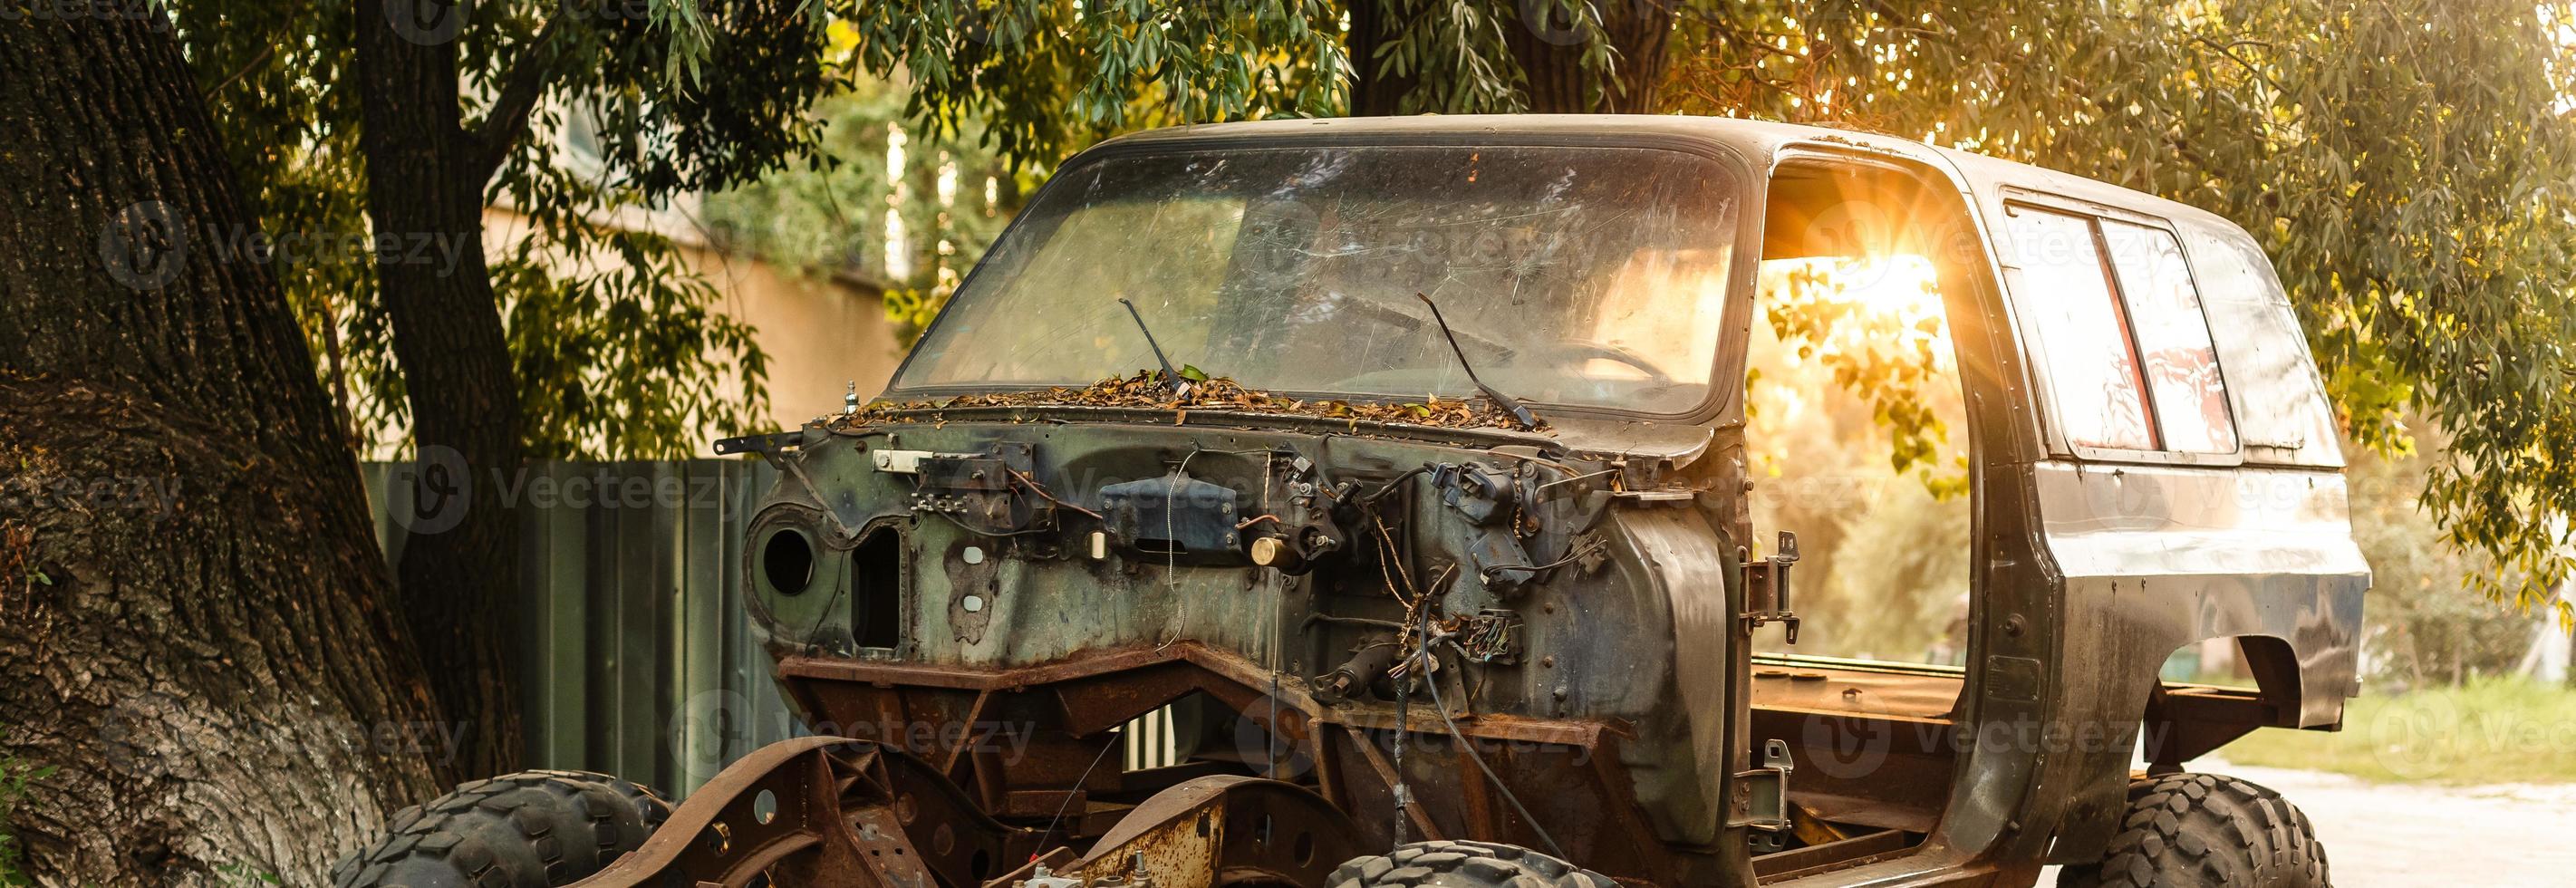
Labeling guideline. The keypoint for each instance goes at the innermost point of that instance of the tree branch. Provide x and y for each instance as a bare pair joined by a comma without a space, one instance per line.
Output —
490,141
256,60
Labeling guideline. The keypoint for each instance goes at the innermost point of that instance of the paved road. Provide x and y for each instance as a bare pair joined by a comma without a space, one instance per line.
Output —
2384,836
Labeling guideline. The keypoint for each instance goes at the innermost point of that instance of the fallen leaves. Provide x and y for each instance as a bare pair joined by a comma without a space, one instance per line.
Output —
1151,390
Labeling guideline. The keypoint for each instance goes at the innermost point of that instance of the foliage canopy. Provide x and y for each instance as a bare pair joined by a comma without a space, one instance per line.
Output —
608,119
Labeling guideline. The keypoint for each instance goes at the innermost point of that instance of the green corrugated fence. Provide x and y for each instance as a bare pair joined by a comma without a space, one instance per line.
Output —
636,655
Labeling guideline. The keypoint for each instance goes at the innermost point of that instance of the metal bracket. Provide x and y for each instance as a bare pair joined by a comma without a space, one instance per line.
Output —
766,445
773,449
1766,588
1765,798
980,488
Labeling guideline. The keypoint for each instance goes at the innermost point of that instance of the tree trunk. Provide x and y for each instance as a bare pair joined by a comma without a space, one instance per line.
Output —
1548,49
1373,92
192,607
459,560
1550,54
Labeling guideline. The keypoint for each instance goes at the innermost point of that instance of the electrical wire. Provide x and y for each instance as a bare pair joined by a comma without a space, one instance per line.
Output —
1042,491
1077,787
978,531
1574,478
1580,550
1477,754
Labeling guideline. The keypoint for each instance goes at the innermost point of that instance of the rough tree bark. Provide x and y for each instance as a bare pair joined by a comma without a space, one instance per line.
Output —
191,602
1551,56
425,177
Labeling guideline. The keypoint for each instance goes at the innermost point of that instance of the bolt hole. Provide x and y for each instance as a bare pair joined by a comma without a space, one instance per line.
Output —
764,807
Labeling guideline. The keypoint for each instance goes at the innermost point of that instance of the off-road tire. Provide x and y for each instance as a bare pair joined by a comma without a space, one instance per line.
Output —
2195,830
534,829
1459,864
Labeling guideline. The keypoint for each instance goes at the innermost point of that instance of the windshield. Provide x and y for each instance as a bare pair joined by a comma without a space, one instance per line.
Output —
1577,276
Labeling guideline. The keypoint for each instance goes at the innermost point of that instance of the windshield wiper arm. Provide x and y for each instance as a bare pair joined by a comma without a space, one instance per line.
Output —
1504,401
1170,375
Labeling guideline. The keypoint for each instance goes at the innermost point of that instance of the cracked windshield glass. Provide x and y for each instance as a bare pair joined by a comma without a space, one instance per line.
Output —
1593,277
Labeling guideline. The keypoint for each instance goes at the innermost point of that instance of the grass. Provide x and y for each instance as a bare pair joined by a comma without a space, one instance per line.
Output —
15,777
2500,730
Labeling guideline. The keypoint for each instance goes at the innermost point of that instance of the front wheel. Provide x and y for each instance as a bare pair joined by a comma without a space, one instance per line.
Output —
534,828
2205,831
1463,864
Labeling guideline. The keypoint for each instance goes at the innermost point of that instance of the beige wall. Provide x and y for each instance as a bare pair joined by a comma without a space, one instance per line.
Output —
821,334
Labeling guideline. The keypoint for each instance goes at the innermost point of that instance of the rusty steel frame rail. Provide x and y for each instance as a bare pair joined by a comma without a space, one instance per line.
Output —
822,811
1572,765
1213,832
831,812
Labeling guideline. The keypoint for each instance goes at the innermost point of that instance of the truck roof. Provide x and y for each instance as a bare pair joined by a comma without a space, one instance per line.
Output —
1750,139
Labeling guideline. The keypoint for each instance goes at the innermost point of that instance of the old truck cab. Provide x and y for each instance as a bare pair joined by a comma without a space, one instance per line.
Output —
1454,500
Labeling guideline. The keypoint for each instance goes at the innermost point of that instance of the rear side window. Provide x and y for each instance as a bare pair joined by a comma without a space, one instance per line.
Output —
2084,341
2173,338
2122,334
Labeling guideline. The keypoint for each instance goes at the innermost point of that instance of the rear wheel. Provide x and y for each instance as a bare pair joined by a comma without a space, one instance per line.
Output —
534,829
1456,864
2195,830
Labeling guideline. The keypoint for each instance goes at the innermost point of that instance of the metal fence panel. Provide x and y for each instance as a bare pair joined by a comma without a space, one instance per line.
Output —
634,655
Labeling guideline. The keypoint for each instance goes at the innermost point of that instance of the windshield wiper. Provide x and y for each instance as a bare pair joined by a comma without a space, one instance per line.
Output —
1504,401
1179,386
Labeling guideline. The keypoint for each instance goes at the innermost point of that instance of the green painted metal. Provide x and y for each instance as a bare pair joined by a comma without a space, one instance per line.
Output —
635,653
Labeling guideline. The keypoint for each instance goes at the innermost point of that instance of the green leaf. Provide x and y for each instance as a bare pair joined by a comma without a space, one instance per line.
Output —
1192,373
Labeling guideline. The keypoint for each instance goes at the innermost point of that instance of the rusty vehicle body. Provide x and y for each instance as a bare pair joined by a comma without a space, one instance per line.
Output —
1369,631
